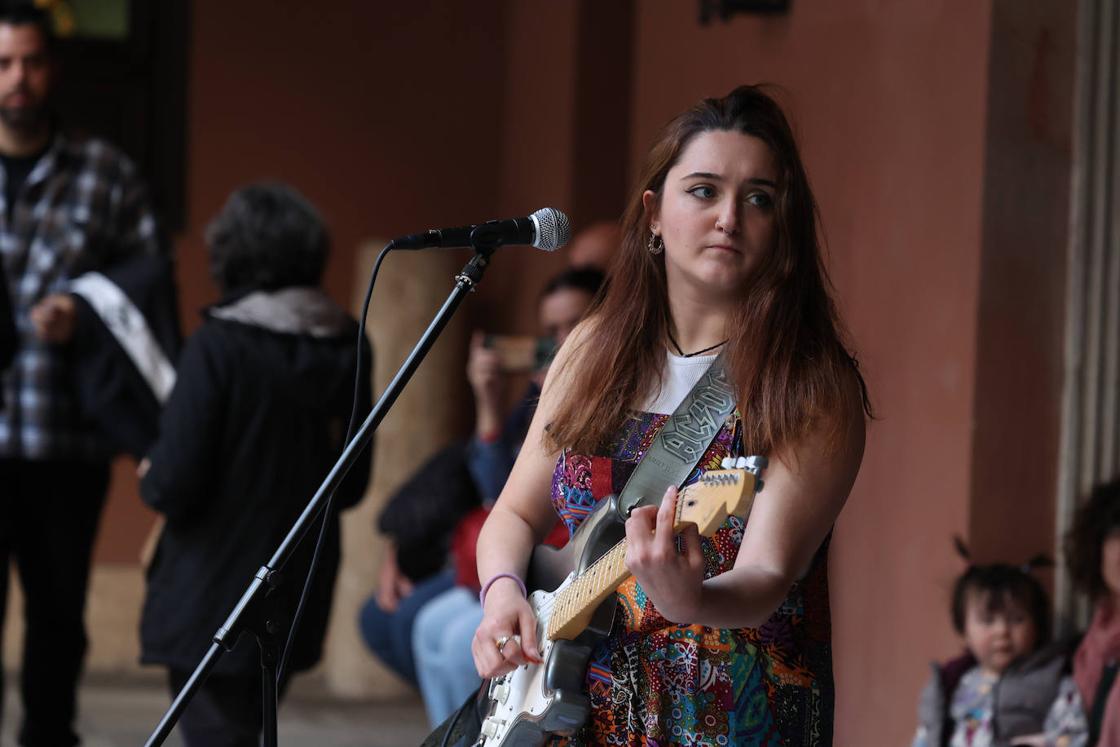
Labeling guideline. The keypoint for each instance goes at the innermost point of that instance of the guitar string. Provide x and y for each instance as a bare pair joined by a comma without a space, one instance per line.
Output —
595,570
599,563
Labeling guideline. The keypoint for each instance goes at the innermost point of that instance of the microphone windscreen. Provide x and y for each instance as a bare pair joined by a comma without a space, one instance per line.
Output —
553,229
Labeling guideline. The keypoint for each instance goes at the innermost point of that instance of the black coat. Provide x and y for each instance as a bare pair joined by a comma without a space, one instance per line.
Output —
120,392
254,424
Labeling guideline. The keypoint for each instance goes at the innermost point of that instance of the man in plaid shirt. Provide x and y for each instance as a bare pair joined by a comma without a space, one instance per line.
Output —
66,207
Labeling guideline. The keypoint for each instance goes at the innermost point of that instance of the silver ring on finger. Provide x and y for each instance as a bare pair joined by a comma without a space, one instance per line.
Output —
501,642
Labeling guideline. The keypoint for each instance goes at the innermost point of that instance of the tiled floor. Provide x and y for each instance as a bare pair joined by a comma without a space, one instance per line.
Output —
123,714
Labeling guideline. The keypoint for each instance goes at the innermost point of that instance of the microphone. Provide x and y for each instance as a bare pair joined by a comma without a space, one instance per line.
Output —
546,229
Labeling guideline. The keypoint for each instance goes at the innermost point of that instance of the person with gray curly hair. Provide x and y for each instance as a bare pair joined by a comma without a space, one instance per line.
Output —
255,422
267,237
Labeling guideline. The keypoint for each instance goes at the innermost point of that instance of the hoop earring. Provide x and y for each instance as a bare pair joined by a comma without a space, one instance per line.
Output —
655,244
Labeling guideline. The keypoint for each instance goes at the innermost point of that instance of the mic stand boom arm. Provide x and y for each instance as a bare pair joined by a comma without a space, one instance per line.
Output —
256,611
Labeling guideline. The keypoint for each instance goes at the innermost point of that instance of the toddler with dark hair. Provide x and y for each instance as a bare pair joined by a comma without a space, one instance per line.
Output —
1011,686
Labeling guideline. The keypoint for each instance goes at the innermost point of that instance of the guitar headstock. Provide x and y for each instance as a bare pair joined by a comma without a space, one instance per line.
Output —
716,495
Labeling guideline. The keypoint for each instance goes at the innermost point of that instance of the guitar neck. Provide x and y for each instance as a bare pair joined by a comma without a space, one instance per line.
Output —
704,504
579,599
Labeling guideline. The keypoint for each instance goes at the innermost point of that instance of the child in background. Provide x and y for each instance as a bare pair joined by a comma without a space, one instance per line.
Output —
1010,687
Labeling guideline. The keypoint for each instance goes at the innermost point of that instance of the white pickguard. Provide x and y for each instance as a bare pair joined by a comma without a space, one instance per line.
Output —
521,694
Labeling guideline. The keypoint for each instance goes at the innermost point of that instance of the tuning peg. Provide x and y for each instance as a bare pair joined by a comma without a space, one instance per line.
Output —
752,464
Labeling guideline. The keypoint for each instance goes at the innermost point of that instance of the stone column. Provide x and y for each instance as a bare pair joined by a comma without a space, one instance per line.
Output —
411,287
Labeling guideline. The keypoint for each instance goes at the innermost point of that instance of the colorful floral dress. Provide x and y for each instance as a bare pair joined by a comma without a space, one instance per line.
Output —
652,682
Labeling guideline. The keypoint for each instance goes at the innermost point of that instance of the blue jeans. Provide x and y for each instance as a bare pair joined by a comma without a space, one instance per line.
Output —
389,634
441,642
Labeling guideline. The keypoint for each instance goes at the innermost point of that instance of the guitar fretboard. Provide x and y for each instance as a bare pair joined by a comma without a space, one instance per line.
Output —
574,605
704,504
586,592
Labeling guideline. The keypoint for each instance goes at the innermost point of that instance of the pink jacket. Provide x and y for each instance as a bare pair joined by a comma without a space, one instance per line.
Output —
1100,646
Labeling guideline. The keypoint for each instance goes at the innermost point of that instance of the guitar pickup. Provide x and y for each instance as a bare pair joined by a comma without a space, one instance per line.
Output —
491,727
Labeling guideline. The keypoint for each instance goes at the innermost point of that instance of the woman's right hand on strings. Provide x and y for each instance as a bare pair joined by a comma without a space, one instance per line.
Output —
507,619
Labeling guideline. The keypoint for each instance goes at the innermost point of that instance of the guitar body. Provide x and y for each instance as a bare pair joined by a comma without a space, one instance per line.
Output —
535,700
575,604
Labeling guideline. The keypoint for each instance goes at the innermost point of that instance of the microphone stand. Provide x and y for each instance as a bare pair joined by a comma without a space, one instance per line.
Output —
257,611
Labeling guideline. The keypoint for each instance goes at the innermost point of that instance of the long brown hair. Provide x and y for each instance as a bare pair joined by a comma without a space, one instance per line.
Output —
786,353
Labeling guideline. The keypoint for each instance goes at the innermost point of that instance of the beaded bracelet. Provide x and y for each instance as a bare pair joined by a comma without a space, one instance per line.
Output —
495,577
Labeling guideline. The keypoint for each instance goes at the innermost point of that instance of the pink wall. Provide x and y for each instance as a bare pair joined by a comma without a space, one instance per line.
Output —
565,134
889,102
1021,325
535,170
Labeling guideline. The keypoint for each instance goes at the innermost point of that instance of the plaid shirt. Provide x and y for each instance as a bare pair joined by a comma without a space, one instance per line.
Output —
82,208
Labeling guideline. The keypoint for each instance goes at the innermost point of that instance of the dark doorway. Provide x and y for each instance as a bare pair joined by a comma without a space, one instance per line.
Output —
124,78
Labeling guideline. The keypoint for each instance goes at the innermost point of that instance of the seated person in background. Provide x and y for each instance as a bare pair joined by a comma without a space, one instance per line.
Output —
1093,551
254,424
1003,616
494,446
417,521
445,625
421,517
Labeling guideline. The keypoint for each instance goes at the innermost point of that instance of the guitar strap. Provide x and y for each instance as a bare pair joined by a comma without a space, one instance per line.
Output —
682,442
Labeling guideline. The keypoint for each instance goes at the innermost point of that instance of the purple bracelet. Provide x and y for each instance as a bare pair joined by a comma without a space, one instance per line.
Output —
495,577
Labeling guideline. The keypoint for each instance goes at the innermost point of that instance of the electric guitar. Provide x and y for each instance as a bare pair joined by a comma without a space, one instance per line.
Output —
535,700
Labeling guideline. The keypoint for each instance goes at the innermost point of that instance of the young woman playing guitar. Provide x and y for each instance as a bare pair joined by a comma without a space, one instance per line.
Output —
720,640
